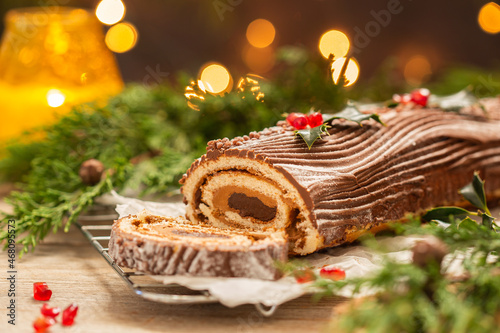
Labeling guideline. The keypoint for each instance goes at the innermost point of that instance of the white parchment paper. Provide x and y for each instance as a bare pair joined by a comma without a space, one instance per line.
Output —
357,261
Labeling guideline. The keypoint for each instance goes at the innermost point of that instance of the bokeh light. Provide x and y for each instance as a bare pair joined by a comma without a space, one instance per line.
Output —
215,79
55,98
489,18
260,33
110,11
259,60
334,42
351,72
417,70
121,37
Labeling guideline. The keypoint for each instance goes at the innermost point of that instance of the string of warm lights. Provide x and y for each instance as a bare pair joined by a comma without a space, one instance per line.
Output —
216,79
259,54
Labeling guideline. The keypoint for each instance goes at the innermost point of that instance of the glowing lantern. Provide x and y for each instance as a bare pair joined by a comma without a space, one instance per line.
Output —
63,61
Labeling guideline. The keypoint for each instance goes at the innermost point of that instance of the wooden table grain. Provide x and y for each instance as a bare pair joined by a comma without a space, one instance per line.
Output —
76,272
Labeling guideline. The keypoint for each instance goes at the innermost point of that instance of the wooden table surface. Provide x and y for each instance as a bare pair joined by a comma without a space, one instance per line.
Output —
76,272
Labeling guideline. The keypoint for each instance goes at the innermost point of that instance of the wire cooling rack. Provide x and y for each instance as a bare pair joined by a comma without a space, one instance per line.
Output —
96,227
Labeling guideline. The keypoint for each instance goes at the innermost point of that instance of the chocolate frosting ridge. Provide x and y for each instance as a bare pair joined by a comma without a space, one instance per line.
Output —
366,175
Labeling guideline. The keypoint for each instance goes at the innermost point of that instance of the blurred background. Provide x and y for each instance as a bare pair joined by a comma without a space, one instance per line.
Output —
55,54
426,36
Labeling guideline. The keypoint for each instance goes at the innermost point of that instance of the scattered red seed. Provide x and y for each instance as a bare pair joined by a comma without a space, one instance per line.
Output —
332,273
420,96
47,311
42,323
41,291
69,314
315,119
304,275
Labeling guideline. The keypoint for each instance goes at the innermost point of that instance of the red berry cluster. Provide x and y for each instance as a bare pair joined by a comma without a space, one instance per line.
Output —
417,97
307,275
300,121
41,292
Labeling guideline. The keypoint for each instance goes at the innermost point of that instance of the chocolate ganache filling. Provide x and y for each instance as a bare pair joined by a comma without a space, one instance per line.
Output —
251,206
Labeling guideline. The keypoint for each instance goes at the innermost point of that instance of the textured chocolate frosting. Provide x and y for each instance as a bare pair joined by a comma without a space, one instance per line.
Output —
355,179
175,246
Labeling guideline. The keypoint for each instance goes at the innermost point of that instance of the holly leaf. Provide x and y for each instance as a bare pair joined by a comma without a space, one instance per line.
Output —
474,193
352,113
487,221
310,135
454,102
446,214
468,224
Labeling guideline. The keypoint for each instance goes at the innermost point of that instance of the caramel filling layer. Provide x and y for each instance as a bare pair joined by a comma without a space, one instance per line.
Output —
165,230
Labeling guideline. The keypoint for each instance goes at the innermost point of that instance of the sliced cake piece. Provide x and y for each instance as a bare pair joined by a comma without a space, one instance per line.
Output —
353,180
175,246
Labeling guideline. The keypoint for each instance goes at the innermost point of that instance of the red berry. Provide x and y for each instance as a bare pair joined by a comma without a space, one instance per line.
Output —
403,99
304,275
47,311
332,273
420,96
315,119
69,314
42,323
41,291
297,120
291,117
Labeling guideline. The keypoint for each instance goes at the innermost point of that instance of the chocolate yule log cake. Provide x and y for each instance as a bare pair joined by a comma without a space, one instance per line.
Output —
175,246
353,180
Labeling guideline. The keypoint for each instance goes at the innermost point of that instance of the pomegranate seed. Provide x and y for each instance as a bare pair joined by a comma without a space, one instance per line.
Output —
42,323
47,311
304,275
41,291
420,96
69,314
332,273
315,119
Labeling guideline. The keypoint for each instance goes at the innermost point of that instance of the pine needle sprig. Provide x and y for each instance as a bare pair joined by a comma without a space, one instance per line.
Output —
34,220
